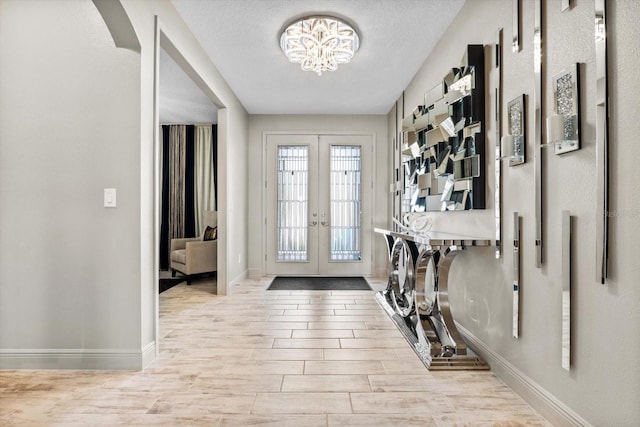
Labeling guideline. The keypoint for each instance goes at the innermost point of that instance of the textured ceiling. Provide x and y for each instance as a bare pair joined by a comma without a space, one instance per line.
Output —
242,38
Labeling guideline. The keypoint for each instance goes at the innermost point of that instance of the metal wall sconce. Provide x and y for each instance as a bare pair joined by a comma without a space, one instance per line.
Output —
514,144
513,149
563,128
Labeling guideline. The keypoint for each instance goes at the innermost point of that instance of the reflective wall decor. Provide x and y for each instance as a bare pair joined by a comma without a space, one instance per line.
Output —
498,167
566,290
443,149
602,145
516,276
515,38
397,178
514,144
563,128
537,129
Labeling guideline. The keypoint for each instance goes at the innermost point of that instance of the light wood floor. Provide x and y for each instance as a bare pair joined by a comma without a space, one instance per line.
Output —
269,358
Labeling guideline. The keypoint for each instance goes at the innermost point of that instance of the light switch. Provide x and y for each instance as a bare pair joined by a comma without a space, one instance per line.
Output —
109,197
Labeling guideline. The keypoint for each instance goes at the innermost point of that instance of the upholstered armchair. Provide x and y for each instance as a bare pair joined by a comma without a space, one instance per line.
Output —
197,255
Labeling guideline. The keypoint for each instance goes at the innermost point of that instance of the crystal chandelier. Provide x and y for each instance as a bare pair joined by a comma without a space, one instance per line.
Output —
319,43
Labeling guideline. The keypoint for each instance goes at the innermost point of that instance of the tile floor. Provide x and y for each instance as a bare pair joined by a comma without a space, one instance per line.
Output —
268,358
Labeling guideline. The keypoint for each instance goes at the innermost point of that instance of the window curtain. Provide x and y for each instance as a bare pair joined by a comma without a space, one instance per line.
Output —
177,166
188,161
205,195
214,139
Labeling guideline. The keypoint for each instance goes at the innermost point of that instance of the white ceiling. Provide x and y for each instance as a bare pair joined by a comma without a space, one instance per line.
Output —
242,38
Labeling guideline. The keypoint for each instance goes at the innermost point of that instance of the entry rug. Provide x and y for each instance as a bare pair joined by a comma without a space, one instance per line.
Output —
286,283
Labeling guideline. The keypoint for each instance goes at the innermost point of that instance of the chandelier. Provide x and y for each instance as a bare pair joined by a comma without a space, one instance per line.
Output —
319,43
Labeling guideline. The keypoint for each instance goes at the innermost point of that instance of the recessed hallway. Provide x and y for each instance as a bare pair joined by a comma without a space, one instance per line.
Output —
257,357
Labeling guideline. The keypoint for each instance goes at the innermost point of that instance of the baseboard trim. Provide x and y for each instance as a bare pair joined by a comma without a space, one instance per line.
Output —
255,273
236,281
381,272
540,399
148,354
86,359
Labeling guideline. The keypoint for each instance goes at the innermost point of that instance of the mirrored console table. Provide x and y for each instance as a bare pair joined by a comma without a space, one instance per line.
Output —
417,296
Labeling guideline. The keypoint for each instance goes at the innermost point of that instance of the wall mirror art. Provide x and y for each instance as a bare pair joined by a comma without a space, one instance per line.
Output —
602,144
443,142
537,126
516,24
497,193
566,290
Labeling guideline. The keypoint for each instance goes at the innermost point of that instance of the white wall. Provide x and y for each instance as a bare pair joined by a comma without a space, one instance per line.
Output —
258,124
77,281
232,197
603,386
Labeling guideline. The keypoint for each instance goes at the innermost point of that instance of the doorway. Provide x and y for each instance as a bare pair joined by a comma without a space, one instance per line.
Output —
318,204
187,170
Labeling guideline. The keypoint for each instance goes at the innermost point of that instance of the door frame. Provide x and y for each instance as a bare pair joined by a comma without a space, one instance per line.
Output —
368,228
163,40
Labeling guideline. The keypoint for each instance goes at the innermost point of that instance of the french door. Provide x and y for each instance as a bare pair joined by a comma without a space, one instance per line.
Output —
319,200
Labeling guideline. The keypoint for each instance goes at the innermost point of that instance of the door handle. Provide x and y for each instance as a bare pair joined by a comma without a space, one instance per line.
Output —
325,221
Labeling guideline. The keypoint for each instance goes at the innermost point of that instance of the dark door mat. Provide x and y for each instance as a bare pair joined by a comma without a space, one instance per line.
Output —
284,283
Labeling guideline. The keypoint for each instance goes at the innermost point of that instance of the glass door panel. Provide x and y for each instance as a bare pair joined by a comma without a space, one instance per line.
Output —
291,216
345,201
292,202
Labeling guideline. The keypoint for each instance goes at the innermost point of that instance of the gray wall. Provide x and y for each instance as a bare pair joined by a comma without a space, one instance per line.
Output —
78,281
603,386
69,127
258,124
